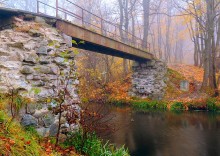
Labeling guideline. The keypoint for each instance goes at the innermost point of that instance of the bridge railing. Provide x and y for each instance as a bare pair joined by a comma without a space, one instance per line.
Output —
89,20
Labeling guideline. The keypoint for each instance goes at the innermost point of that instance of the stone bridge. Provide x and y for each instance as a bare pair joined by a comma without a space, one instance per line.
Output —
148,72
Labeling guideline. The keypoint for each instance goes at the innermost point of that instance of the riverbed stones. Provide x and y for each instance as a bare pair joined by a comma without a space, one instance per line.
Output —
148,79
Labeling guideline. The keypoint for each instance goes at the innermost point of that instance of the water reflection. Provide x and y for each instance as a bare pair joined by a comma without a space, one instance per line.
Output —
168,134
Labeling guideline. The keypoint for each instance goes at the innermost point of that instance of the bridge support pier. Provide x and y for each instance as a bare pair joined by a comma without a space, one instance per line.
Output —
148,79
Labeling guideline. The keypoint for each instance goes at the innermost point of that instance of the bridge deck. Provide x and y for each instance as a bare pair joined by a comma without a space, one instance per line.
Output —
93,41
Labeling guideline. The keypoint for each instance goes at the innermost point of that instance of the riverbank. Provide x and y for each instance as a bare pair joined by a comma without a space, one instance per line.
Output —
116,93
208,104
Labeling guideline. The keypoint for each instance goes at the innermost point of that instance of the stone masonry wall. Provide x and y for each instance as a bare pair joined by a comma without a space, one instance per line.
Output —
148,79
31,62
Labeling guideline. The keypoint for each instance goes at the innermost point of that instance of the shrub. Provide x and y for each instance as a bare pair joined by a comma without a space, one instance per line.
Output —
91,145
211,104
177,106
145,105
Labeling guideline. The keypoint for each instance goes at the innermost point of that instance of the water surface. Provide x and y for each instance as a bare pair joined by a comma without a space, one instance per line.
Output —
167,133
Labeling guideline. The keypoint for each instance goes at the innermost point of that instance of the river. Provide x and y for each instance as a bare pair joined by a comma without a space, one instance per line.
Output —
166,133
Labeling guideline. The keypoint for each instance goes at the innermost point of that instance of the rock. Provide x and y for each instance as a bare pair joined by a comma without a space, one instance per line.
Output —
29,17
53,130
38,83
3,89
26,70
38,77
44,60
40,113
66,125
184,85
48,120
54,70
28,120
10,65
29,77
18,45
61,61
34,33
62,120
51,21
43,131
42,50
4,53
39,19
43,69
30,45
31,58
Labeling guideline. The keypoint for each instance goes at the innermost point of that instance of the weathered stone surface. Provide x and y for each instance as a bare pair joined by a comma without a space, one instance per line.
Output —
26,70
53,129
184,85
44,60
40,113
28,120
34,33
43,69
43,131
60,61
33,65
149,79
29,17
39,19
18,45
38,83
48,120
31,58
42,50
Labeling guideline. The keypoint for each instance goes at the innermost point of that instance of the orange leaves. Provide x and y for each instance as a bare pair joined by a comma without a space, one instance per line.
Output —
28,142
11,142
118,90
8,143
190,72
50,148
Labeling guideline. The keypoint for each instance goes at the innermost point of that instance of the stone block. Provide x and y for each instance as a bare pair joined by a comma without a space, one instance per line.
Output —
42,50
184,85
44,60
26,70
34,33
148,80
31,58
43,131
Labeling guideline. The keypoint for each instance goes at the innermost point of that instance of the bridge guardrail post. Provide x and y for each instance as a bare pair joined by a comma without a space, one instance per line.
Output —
38,11
82,17
57,3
